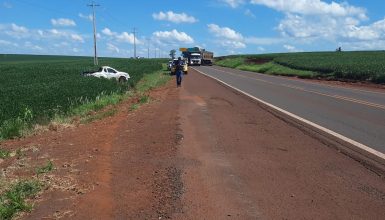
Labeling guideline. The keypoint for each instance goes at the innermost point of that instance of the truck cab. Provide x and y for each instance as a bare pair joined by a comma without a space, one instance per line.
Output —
195,59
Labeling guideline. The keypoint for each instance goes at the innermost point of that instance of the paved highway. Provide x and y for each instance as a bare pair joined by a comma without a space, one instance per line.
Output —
354,113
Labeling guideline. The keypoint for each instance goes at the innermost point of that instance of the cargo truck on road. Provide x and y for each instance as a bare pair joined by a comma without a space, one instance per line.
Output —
196,56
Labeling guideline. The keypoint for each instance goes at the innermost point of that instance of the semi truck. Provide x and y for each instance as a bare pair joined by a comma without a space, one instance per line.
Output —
197,56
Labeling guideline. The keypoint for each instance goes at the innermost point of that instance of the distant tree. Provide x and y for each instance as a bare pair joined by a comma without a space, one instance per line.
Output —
339,49
172,53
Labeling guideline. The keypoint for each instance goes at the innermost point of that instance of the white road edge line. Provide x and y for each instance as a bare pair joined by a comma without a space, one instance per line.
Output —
335,134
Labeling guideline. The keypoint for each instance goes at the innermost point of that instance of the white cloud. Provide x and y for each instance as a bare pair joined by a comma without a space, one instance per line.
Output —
18,29
226,36
87,17
261,49
172,37
306,21
126,37
121,37
233,3
77,37
174,17
107,32
330,28
263,40
32,46
313,7
63,22
55,34
289,47
249,13
375,31
363,45
225,32
112,48
8,43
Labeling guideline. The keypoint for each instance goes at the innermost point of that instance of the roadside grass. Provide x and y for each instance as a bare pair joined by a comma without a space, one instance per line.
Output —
4,153
98,116
269,67
20,154
14,199
231,62
150,81
134,107
276,69
16,127
48,167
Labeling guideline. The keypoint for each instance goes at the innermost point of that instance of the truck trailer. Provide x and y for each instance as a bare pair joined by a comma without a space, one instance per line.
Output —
197,56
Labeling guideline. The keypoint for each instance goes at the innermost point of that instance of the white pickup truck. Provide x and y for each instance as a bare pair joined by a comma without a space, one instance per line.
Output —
109,73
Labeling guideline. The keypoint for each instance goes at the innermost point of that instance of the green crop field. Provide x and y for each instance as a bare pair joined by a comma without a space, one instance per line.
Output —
361,66
35,88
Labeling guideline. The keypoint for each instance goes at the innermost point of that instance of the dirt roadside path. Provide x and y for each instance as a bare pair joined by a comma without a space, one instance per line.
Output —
120,167
198,152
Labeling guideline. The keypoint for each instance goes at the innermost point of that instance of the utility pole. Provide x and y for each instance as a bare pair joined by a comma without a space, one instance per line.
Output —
93,5
134,32
148,48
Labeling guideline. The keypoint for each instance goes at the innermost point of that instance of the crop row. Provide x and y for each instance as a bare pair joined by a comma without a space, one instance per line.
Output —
360,65
47,85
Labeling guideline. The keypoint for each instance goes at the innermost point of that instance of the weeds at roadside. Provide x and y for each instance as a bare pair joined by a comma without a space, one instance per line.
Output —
14,199
15,127
144,99
98,116
134,107
20,154
4,154
46,168
276,69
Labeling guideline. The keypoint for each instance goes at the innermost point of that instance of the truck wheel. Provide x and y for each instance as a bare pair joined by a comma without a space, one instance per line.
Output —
122,79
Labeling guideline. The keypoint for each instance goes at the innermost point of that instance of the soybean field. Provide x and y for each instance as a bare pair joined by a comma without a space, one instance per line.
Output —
354,65
38,87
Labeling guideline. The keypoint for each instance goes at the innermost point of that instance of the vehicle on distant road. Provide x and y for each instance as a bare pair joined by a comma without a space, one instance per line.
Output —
169,65
109,73
185,67
196,56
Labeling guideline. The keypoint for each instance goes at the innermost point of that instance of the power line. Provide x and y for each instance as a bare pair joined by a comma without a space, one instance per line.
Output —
93,5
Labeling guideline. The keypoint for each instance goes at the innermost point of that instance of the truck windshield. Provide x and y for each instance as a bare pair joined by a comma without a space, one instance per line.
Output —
195,57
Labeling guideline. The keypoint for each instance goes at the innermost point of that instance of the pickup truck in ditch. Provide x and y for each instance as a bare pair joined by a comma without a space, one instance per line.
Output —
109,73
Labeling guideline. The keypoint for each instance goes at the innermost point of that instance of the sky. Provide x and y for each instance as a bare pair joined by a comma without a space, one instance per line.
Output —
64,27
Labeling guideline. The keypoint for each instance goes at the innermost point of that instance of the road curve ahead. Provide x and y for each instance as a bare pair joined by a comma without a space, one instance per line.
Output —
354,113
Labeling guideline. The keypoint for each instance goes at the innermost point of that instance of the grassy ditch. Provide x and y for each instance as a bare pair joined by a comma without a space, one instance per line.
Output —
149,81
347,66
276,69
15,199
17,191
262,65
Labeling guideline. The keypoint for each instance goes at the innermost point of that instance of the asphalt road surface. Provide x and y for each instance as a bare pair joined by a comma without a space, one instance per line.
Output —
354,113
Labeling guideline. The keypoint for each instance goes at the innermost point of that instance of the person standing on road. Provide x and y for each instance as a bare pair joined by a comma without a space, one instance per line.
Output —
179,72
